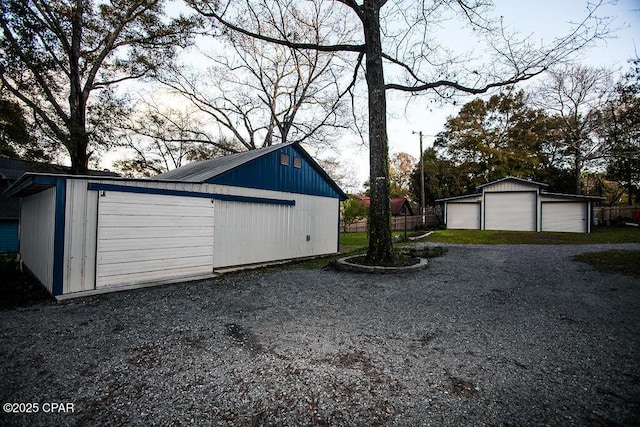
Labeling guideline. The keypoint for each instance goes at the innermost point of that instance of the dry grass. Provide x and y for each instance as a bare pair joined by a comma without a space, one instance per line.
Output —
613,261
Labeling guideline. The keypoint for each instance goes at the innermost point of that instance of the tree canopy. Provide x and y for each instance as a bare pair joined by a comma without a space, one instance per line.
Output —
16,139
622,131
576,96
57,53
495,138
258,93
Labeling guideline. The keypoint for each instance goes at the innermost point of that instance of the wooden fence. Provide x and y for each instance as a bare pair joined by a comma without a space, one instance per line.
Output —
397,223
614,213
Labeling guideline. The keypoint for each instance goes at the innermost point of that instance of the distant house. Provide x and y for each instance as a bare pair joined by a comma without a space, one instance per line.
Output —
519,205
10,171
400,206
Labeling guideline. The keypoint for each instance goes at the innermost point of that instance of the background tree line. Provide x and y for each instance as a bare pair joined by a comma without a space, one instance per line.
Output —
576,131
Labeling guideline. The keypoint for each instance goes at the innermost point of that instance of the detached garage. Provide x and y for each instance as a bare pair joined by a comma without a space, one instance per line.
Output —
81,235
519,205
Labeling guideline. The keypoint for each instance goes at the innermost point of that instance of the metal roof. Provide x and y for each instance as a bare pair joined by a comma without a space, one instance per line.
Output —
206,169
573,196
260,169
524,181
513,178
11,170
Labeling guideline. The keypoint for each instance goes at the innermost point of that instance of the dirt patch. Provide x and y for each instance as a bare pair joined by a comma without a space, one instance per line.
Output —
19,289
463,387
397,261
243,337
425,251
614,261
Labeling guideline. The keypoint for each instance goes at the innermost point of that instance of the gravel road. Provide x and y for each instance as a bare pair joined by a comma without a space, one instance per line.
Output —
487,335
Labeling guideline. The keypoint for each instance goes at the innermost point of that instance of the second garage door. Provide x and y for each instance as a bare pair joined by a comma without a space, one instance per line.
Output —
463,216
565,216
510,211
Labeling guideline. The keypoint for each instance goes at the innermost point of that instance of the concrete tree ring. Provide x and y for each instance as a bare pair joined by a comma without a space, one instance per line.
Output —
345,264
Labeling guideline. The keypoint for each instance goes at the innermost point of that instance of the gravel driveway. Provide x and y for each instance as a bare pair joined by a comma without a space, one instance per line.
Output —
487,335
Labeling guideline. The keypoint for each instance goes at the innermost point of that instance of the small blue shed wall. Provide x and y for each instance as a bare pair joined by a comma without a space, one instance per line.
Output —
267,173
8,236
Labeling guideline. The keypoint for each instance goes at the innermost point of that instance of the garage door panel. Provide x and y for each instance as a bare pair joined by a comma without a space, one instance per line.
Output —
143,243
153,265
145,199
161,254
178,211
124,233
565,217
143,237
463,216
514,211
158,220
150,276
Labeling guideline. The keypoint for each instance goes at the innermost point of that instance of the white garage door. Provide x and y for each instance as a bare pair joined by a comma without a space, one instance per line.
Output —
148,237
564,216
510,211
463,216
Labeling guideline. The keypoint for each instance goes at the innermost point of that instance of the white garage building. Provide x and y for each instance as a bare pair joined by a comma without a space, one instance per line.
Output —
519,205
82,235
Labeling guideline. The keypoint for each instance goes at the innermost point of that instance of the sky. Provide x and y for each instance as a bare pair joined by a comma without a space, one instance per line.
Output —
542,20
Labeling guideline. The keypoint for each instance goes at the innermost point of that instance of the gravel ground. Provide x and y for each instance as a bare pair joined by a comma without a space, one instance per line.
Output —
487,335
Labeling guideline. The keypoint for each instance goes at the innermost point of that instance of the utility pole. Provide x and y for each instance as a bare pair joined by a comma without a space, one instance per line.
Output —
422,197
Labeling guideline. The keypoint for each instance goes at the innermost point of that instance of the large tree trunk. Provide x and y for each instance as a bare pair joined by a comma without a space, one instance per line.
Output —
78,144
78,147
380,249
577,165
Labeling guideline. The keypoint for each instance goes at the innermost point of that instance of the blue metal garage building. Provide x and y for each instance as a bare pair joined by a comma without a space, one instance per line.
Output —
83,235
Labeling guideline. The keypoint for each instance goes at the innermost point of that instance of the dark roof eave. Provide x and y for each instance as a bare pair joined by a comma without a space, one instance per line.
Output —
573,196
468,196
33,182
28,184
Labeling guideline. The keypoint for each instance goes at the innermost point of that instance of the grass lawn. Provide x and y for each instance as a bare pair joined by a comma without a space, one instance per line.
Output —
491,237
614,261
352,241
